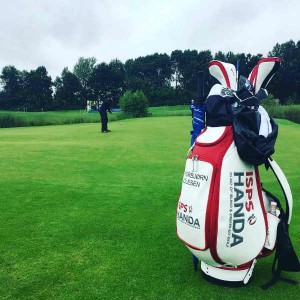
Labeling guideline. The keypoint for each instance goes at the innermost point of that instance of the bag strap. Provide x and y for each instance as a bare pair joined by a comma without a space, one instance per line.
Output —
284,186
277,275
285,257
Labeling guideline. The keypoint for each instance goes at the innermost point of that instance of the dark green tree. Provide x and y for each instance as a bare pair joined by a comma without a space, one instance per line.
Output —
135,76
191,67
204,58
149,74
286,84
106,81
118,79
12,81
188,69
83,70
68,91
220,56
38,89
231,58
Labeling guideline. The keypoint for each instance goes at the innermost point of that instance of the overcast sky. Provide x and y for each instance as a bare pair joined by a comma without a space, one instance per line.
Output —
55,33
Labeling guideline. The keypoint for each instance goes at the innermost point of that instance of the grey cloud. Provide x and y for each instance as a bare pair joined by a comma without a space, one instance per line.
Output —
56,33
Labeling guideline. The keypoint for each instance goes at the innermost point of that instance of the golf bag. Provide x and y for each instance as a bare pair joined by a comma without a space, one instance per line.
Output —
224,216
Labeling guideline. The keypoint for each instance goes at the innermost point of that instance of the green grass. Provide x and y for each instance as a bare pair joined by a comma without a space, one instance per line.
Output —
86,215
163,111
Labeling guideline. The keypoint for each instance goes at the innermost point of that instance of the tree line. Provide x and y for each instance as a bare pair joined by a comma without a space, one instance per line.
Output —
164,79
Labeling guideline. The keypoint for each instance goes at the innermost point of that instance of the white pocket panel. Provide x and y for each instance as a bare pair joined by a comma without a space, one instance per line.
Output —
192,204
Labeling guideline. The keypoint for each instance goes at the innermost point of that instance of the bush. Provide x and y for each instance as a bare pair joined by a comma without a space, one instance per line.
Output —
134,105
271,101
273,107
292,113
275,110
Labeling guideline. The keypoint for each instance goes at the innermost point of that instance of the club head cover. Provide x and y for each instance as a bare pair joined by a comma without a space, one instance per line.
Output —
225,73
263,72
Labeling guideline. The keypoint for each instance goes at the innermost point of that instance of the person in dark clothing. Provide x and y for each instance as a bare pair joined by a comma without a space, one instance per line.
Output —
103,108
192,107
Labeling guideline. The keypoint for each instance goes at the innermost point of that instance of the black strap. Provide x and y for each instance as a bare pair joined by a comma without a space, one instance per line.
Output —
283,239
195,262
277,275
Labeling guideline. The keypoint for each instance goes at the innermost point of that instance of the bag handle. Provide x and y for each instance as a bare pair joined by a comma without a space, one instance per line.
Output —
284,186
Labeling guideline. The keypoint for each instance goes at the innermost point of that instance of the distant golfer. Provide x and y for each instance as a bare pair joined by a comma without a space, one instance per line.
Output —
192,107
103,108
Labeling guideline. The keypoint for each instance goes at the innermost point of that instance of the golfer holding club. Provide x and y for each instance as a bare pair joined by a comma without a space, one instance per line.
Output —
103,108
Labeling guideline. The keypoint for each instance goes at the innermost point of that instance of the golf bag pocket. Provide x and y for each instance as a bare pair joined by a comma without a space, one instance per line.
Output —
240,229
191,209
272,231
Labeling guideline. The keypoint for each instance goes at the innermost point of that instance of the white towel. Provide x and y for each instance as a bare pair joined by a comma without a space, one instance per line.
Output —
265,124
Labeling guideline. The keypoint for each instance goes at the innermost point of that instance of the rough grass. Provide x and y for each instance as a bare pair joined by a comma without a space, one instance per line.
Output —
289,112
86,215
21,119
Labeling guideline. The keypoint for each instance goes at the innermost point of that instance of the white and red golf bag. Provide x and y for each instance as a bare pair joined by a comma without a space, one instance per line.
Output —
224,217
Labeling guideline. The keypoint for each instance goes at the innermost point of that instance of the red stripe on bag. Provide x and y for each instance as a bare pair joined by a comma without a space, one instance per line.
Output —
214,155
214,213
261,201
223,70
